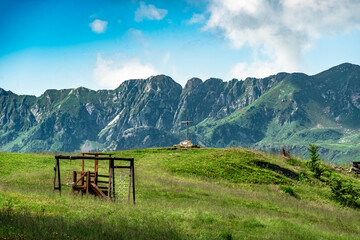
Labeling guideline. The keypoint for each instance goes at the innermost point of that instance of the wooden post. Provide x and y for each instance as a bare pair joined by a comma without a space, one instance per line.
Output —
113,175
133,179
55,169
58,169
74,180
87,182
96,167
129,187
83,168
83,163
111,163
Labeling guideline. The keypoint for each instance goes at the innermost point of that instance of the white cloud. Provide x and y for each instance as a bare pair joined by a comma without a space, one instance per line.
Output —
279,31
137,35
196,18
110,74
258,69
98,26
166,58
149,12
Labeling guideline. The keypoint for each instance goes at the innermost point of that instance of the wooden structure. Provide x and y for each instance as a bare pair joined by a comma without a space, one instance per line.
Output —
355,167
91,182
187,127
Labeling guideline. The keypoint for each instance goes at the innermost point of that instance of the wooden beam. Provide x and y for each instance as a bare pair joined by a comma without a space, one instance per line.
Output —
80,179
58,170
133,179
83,163
97,154
113,176
93,158
54,179
87,182
97,190
129,186
106,176
110,175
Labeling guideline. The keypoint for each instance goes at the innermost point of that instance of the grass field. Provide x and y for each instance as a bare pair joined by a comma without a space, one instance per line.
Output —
181,194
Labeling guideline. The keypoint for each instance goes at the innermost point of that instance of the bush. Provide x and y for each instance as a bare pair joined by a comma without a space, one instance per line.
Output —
314,161
344,193
288,190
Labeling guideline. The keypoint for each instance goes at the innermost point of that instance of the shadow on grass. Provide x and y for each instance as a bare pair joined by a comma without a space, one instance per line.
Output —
273,167
24,225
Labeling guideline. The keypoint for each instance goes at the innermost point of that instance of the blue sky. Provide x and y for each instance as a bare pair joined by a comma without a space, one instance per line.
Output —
99,44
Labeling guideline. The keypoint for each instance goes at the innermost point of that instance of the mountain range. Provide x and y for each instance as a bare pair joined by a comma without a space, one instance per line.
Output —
289,110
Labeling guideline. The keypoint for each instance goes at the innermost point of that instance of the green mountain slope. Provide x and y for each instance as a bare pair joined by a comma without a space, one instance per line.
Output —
293,114
283,110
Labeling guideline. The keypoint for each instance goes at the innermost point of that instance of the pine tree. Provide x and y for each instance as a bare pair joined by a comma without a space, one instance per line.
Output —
314,162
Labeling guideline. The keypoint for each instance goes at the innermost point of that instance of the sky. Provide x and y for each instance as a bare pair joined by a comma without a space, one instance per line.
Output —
48,44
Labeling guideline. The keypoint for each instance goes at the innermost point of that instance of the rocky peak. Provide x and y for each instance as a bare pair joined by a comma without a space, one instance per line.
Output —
5,93
161,83
193,83
213,82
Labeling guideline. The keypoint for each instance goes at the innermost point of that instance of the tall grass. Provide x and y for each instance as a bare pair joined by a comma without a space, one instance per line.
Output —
173,201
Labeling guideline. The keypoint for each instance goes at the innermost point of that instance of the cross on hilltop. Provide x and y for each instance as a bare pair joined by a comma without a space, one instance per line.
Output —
187,126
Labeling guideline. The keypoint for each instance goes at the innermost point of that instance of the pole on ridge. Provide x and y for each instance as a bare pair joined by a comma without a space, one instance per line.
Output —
187,126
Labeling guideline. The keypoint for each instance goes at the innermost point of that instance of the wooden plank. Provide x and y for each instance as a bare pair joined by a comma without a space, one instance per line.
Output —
81,172
102,181
105,176
98,191
98,154
81,178
93,158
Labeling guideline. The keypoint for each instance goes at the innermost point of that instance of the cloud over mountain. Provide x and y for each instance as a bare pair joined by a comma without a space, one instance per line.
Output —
111,74
279,31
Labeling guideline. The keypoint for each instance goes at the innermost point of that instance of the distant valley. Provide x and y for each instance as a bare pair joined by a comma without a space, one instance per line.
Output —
283,110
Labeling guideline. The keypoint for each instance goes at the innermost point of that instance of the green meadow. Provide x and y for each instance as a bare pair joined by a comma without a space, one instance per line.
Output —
204,193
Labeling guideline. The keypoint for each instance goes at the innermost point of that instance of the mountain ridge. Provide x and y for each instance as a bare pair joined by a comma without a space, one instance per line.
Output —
282,110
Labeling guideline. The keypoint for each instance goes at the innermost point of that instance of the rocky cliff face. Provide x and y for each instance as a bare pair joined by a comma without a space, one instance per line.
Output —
289,110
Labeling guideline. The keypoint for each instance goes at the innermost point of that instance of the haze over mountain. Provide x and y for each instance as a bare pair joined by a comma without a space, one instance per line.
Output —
282,110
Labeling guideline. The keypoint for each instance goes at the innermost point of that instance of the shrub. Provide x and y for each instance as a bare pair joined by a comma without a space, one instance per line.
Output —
314,161
302,177
288,190
344,193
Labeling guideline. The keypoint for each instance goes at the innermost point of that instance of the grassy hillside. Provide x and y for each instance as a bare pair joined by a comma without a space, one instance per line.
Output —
181,194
